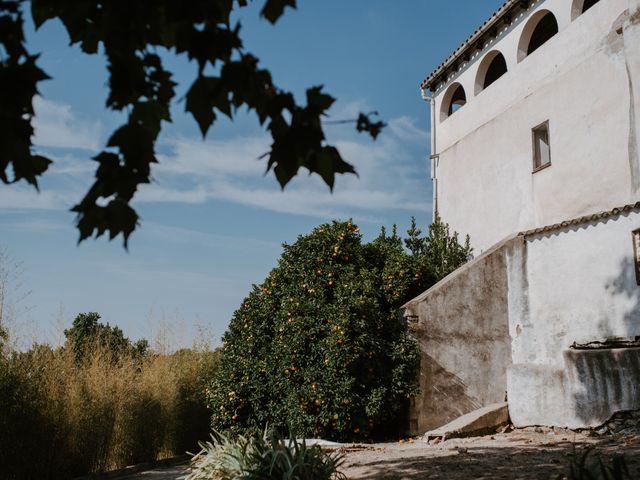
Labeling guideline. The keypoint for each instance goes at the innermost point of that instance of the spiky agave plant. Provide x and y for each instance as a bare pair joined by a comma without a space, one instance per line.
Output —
223,458
294,460
264,457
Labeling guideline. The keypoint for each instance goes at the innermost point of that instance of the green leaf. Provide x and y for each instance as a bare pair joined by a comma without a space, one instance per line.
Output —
317,101
41,12
199,102
131,34
273,9
364,124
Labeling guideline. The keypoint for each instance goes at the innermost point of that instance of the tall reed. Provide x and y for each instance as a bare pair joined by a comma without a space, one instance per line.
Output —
61,418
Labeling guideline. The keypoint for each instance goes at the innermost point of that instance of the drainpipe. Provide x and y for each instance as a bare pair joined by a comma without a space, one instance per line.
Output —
433,157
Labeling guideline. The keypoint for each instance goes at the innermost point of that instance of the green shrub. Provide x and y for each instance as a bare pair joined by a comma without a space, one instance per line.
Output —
263,458
318,348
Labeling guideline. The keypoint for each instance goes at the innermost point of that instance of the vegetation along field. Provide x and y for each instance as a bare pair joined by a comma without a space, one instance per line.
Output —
317,349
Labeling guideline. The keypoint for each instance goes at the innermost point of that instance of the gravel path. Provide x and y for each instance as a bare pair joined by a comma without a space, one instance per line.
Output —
519,455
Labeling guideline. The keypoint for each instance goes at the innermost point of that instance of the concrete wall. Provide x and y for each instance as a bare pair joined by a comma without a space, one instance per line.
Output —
579,286
461,326
507,320
585,391
586,82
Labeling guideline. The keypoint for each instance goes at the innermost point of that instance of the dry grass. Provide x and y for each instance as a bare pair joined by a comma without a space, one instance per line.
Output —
60,419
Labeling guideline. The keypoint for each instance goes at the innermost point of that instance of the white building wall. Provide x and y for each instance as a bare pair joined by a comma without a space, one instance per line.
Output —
580,82
572,284
580,287
576,284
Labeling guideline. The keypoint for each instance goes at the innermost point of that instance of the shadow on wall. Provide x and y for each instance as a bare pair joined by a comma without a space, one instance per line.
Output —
604,381
443,396
607,380
625,285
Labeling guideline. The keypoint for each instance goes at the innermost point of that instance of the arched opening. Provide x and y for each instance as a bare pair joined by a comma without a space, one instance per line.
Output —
453,100
588,4
547,27
492,67
581,6
540,28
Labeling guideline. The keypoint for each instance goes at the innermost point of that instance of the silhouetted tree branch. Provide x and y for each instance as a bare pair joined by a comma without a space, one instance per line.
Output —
129,33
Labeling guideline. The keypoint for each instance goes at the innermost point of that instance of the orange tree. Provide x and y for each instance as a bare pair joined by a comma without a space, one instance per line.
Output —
318,348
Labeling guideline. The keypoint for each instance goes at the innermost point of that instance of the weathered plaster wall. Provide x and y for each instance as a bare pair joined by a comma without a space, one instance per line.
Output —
462,330
585,82
507,320
585,391
579,286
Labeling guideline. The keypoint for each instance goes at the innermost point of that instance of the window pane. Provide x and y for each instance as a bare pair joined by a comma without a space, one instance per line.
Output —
543,142
541,148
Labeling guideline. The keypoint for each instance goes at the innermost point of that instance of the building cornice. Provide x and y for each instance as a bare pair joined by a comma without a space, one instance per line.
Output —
477,41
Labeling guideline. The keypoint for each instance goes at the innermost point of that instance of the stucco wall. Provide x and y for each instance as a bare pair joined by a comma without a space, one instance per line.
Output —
586,391
507,320
585,82
462,330
579,286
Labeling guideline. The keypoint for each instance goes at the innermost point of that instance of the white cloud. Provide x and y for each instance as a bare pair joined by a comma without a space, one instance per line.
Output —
348,110
23,197
31,224
197,157
196,237
405,128
195,172
57,125
391,170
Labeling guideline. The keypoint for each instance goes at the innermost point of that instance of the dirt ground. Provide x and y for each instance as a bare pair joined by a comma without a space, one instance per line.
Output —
513,456
518,455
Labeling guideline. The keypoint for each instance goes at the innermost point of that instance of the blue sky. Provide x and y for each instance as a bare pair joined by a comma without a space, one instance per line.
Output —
212,223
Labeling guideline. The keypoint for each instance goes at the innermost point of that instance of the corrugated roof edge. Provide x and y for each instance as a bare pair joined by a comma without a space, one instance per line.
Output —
585,219
484,28
495,247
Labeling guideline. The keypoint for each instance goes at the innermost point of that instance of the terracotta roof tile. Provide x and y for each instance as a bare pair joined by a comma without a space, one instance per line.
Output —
585,219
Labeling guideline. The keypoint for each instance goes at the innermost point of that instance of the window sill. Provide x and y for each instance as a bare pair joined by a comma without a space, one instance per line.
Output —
541,167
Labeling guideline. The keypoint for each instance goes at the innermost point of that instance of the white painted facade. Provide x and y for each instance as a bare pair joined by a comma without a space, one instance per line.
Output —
581,286
585,81
573,284
565,285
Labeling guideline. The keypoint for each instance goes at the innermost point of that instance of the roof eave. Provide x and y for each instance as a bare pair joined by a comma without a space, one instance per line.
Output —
504,13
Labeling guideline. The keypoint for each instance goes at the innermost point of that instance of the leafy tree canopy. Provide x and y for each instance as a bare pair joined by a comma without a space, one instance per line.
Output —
318,347
86,332
130,33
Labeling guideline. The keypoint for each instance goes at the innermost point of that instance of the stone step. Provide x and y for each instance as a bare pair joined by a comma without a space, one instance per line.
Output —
483,421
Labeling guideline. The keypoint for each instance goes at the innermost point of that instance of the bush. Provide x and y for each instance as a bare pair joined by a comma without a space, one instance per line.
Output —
318,348
260,457
61,418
